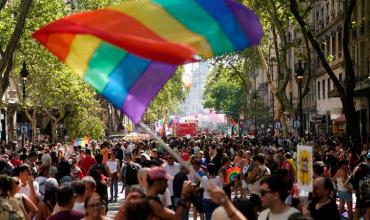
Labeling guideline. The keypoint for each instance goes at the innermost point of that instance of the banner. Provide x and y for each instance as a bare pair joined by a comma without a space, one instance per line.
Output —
304,168
183,129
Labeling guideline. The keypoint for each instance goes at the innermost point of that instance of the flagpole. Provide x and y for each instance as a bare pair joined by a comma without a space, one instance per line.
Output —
170,151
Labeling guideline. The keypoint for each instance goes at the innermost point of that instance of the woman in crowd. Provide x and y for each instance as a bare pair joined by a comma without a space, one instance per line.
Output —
28,208
211,178
46,206
94,208
344,188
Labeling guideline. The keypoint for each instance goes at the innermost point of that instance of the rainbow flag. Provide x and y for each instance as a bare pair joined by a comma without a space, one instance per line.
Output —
127,52
232,174
81,141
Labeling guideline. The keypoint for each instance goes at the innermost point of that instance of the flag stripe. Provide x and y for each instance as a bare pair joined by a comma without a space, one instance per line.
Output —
226,19
198,21
122,78
140,94
105,59
248,21
78,59
61,43
147,14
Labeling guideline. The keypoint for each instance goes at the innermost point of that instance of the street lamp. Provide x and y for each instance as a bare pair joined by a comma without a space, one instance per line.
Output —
24,75
300,71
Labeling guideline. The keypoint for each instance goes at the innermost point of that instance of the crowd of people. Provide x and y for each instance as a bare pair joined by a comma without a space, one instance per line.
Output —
61,181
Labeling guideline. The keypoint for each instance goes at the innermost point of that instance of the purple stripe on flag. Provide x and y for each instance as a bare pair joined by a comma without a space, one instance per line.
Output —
145,88
248,20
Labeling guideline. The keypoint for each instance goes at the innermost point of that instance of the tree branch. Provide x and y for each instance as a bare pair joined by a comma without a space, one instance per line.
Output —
16,33
348,65
316,46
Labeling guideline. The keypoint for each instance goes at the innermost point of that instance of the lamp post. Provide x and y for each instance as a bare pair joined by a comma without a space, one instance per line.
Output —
300,71
24,75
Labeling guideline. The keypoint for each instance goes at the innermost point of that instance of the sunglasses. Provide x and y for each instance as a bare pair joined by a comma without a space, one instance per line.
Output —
264,192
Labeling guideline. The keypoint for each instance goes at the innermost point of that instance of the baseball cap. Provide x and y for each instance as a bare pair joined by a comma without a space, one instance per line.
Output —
156,173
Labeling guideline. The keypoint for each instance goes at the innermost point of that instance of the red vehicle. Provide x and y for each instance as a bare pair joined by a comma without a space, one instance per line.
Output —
188,128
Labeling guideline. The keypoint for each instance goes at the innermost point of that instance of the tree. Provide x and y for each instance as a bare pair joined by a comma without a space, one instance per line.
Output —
12,21
225,92
345,89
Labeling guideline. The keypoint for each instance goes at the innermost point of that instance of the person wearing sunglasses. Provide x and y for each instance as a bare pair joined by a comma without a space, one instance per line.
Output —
274,190
94,208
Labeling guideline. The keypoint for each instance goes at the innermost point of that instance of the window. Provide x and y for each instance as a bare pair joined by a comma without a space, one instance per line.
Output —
340,77
328,85
318,90
334,46
323,89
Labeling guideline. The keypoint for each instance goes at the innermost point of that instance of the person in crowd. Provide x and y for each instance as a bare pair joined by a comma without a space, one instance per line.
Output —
76,172
90,185
79,192
210,178
46,206
10,208
157,184
322,205
101,187
65,202
178,182
225,164
274,190
113,167
29,187
172,168
87,162
94,208
254,178
221,199
344,188
28,208
129,172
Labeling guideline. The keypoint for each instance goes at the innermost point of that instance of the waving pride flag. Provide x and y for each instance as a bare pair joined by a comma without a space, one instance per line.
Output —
127,52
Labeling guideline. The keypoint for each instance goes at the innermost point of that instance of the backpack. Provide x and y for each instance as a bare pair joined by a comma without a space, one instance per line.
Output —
10,210
131,174
364,188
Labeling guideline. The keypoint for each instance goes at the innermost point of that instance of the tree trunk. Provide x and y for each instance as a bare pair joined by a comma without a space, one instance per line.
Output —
33,121
54,127
352,123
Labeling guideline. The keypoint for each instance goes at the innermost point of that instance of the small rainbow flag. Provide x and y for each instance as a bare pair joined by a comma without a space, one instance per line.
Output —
81,141
127,52
232,174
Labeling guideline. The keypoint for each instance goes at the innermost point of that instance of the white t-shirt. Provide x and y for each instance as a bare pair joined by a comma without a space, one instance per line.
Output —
204,182
171,171
25,190
272,216
165,198
112,165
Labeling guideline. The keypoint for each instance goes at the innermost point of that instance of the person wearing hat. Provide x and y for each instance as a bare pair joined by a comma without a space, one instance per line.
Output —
157,184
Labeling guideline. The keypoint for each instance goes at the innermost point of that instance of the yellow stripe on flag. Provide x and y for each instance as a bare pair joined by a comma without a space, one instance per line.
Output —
80,51
162,23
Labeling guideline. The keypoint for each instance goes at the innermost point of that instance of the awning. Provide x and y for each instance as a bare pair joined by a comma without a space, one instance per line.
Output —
341,118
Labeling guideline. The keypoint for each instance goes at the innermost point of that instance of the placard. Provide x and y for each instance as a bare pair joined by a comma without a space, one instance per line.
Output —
304,168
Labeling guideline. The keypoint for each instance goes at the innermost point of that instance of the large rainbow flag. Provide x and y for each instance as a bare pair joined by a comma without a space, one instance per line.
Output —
128,51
